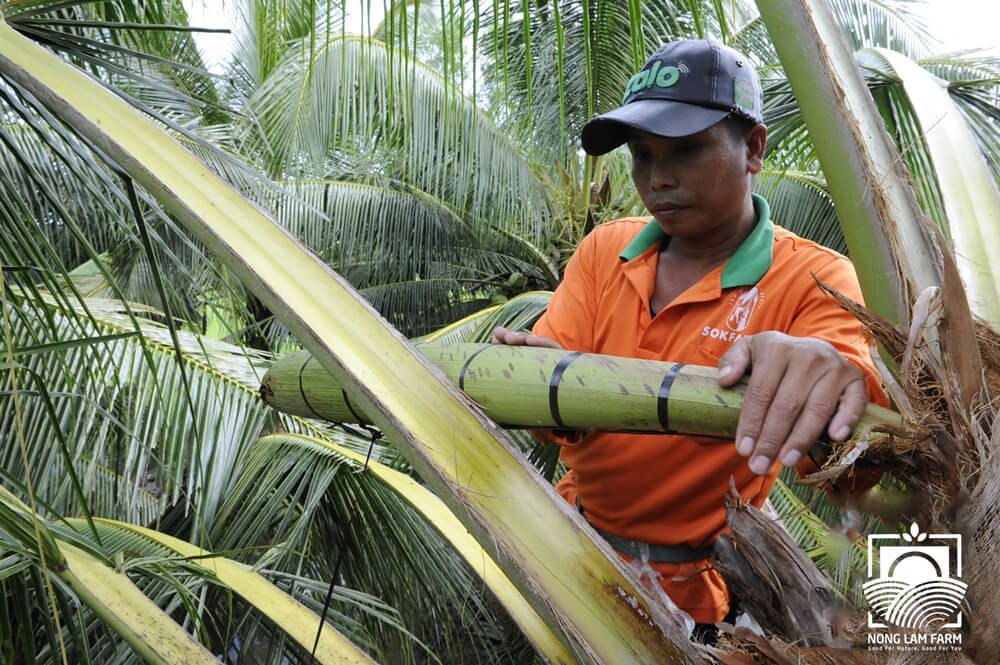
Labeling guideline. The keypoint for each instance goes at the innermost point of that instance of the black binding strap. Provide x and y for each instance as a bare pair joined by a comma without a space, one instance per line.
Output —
468,361
302,388
663,398
347,403
554,382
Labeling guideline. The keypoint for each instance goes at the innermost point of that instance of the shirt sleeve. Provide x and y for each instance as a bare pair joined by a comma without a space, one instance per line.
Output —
569,318
822,317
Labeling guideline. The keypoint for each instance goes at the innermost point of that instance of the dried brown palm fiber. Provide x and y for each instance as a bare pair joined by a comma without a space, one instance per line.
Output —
928,455
988,339
775,580
957,385
959,342
908,454
978,520
795,604
741,646
919,370
943,452
957,465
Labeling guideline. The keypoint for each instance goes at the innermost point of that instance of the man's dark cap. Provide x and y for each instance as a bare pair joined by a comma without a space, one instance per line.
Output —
684,88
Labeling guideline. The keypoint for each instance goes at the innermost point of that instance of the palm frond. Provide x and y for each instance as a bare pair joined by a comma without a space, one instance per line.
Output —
155,576
958,190
130,400
311,120
146,50
329,515
802,205
400,248
84,205
518,313
149,549
583,44
888,23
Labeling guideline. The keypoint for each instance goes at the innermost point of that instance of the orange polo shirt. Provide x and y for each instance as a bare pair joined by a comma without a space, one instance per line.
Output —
669,489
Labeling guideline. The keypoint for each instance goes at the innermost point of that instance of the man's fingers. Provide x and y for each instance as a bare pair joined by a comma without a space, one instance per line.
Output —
768,420
734,363
852,406
830,401
510,337
758,400
515,338
798,388
817,409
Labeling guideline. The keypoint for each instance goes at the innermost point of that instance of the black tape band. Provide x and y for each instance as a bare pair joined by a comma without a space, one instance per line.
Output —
302,388
465,366
554,382
663,398
347,403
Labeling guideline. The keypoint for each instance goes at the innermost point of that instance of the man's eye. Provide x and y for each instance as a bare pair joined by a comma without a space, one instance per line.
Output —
687,148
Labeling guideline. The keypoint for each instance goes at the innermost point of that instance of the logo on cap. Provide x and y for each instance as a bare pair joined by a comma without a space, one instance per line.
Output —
659,75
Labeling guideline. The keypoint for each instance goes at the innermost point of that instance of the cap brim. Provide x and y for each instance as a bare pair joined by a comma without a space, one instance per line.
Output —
662,117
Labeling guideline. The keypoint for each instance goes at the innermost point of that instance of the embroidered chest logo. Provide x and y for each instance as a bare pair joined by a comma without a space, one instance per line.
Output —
743,309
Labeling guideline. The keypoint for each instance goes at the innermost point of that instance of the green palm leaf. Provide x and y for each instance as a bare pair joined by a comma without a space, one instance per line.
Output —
307,109
330,509
289,616
803,206
843,560
959,190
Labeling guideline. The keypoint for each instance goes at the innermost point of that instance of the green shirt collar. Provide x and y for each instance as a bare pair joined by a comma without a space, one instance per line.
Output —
744,268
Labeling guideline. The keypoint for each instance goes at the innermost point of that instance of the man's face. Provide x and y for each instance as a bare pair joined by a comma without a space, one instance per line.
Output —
696,186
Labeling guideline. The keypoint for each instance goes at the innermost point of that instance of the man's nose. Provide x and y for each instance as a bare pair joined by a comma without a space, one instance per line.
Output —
663,174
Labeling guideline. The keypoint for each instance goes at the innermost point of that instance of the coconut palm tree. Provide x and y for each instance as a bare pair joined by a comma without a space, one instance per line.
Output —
399,180
156,426
154,432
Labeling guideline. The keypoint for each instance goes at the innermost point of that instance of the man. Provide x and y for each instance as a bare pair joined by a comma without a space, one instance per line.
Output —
710,280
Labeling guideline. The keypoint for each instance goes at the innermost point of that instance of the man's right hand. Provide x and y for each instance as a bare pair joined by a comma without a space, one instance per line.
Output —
515,338
800,386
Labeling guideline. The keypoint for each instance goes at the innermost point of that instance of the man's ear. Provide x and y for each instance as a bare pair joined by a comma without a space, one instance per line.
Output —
756,143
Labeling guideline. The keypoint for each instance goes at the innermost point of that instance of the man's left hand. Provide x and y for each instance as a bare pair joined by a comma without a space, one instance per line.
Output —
799,385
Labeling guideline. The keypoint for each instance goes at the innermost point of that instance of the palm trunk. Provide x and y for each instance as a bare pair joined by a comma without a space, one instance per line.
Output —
533,387
892,245
897,252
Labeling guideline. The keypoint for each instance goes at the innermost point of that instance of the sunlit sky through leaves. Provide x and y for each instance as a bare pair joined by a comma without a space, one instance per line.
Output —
959,24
